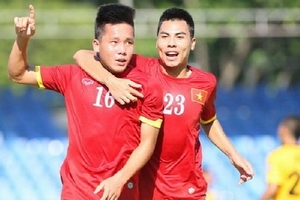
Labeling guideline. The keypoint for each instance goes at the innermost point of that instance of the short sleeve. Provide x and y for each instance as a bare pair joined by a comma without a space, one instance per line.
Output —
55,77
152,108
209,109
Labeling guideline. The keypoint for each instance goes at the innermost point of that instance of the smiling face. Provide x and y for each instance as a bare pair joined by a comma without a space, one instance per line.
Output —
115,46
174,44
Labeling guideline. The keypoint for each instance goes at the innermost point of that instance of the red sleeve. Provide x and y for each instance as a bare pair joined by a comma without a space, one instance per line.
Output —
57,78
143,63
209,109
152,108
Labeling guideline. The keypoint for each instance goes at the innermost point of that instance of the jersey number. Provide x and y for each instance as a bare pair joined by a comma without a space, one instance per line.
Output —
177,109
297,180
108,99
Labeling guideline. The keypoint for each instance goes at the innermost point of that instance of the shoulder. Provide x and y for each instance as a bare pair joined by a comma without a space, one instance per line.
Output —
203,77
277,153
141,76
142,61
203,74
145,78
63,67
138,57
64,71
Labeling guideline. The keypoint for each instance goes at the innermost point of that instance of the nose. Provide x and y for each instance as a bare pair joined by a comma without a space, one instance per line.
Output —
171,42
121,49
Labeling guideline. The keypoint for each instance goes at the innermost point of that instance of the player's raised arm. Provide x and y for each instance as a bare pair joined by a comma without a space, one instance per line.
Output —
18,68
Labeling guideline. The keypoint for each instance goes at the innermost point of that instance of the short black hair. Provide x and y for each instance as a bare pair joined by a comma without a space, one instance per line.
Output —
177,14
113,13
292,122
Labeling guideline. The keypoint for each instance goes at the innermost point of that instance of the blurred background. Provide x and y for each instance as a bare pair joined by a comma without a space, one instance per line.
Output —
252,46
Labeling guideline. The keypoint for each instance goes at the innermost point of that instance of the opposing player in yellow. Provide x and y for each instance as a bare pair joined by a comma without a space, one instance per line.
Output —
283,163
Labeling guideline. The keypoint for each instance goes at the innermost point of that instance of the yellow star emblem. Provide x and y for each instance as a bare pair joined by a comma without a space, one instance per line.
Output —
199,96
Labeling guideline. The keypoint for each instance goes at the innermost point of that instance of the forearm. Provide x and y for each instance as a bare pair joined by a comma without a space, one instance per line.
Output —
217,136
86,60
139,156
267,196
123,90
17,63
270,192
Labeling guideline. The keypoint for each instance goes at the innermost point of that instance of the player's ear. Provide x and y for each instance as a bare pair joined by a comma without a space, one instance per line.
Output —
193,45
95,44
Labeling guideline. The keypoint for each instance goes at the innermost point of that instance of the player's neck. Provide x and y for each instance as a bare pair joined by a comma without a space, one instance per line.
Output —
289,141
184,73
176,71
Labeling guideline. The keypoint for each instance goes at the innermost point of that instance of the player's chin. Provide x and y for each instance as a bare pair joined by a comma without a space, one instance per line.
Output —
119,68
171,64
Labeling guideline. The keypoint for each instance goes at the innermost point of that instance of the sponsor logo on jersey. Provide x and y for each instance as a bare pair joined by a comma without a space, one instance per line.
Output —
87,81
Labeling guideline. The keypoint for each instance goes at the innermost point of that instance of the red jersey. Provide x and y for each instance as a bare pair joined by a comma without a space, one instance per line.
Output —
102,133
174,171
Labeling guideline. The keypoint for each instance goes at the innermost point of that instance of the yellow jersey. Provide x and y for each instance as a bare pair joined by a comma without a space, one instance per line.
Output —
283,169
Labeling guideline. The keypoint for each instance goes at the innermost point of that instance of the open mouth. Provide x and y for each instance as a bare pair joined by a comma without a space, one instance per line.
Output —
121,62
171,55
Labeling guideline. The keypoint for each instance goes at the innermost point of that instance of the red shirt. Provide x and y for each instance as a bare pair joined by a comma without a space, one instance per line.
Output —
102,133
174,171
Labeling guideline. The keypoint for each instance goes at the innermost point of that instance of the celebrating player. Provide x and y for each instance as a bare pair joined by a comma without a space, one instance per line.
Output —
108,142
174,172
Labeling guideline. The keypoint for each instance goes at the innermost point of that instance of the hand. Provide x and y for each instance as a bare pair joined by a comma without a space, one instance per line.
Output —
124,90
112,188
244,167
25,26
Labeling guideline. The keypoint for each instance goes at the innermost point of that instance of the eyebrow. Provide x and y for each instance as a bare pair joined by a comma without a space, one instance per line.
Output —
118,38
179,33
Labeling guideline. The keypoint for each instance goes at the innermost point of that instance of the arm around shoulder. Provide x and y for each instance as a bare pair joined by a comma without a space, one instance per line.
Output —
88,60
123,90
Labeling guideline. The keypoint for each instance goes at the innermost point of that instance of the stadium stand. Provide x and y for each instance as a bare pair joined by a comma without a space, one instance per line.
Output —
32,145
